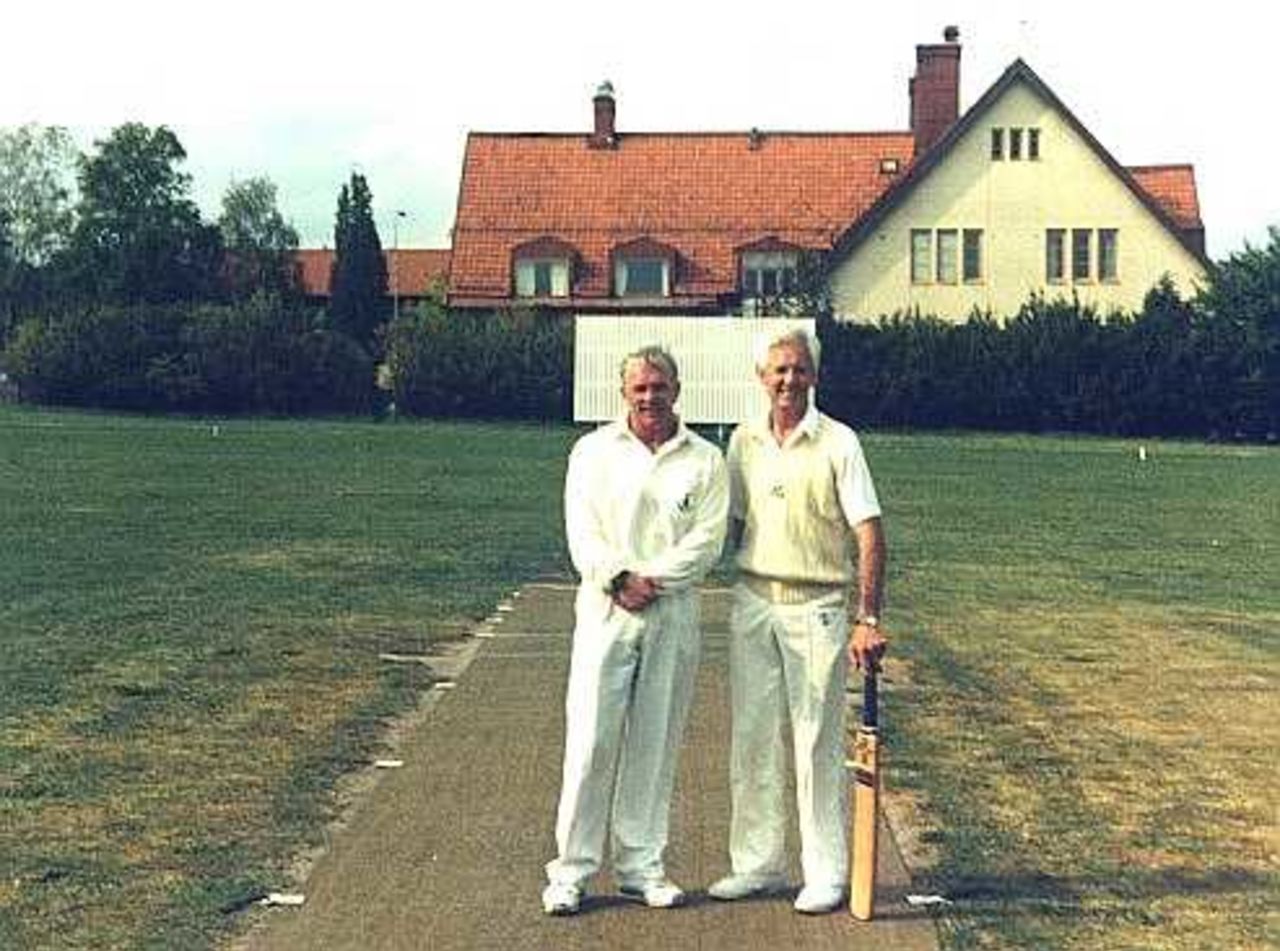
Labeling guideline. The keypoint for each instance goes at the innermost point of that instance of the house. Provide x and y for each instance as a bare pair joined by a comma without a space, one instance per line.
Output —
412,273
955,214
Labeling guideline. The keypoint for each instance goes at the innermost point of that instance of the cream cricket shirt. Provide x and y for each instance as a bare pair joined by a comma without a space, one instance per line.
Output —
799,501
660,514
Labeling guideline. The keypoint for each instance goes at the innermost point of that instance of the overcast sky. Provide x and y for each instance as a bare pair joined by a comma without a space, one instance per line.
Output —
305,92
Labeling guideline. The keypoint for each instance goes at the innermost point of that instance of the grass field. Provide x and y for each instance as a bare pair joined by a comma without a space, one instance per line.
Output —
191,622
1086,716
1082,714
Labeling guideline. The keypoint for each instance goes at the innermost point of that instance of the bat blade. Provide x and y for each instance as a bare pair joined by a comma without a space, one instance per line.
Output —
865,768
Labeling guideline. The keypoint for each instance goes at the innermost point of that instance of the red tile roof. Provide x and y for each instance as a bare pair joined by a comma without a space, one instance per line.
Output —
1174,188
415,270
706,195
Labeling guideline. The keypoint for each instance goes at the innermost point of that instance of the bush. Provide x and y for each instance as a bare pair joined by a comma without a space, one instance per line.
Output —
492,365
257,357
1173,369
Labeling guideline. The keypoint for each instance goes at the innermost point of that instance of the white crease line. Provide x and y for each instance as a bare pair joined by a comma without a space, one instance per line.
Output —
531,655
518,635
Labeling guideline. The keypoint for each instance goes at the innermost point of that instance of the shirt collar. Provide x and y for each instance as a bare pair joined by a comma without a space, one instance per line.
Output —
623,431
762,428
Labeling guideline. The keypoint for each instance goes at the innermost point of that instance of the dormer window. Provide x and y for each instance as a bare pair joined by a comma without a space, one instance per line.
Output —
642,277
543,267
643,268
769,273
542,278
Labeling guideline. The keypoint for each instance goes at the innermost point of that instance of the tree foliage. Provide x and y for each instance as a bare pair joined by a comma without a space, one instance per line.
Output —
255,356
139,237
495,365
260,244
1245,291
37,179
358,285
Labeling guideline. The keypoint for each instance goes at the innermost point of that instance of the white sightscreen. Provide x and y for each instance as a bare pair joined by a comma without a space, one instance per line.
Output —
716,356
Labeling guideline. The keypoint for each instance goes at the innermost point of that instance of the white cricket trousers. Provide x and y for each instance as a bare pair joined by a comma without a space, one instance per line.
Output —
631,682
788,660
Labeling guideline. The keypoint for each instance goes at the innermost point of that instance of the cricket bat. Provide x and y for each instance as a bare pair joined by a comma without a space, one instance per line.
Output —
865,766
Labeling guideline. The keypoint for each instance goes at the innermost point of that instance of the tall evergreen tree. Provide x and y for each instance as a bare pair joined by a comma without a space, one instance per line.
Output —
358,285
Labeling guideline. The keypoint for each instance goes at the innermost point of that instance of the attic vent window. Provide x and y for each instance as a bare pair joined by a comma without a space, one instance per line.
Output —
1023,144
889,166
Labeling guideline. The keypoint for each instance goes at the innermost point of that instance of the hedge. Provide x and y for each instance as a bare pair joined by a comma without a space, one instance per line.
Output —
258,357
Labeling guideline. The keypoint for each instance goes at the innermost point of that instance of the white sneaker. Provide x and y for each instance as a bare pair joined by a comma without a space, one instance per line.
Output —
656,893
819,899
560,899
734,887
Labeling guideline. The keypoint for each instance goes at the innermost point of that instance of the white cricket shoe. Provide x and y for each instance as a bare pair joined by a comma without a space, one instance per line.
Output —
819,899
560,899
735,887
656,893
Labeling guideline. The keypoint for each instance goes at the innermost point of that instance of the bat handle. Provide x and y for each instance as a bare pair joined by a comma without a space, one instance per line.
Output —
870,696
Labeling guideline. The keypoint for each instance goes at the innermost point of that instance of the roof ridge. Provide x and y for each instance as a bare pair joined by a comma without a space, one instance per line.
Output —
724,133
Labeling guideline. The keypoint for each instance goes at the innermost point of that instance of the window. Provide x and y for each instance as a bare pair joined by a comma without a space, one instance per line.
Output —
1055,255
972,261
768,273
1015,144
1081,246
947,248
997,144
1107,262
921,256
1033,144
641,277
542,277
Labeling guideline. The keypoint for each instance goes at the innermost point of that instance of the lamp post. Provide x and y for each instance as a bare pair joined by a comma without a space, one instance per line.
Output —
395,267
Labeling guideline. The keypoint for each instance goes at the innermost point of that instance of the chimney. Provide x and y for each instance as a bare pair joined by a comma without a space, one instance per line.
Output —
604,136
935,89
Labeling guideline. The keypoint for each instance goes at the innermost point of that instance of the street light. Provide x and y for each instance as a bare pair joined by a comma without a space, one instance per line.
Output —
395,267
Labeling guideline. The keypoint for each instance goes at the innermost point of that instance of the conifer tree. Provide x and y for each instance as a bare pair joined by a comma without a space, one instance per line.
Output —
358,285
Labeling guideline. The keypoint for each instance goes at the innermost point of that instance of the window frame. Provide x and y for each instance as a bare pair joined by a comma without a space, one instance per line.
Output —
622,275
947,247
997,144
784,266
526,287
922,260
1033,145
1081,256
971,252
1055,253
1015,144
1108,255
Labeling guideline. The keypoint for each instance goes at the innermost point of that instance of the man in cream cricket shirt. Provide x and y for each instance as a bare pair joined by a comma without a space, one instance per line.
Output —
802,501
646,506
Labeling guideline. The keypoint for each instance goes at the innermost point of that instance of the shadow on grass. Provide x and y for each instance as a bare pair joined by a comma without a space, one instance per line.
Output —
1037,891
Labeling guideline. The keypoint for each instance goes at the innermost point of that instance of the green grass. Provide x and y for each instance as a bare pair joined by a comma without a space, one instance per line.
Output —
1083,728
1081,719
191,623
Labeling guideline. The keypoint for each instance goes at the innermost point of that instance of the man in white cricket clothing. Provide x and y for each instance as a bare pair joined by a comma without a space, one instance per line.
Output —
646,507
802,503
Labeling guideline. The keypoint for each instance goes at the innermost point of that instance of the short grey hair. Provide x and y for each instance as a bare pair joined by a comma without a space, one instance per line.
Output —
789,335
656,357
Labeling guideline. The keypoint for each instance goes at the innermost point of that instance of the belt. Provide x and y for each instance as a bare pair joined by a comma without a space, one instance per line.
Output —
779,591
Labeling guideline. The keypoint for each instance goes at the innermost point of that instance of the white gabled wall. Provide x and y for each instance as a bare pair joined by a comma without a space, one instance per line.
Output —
1014,203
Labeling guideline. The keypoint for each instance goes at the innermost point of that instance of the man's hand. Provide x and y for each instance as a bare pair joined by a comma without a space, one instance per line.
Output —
636,592
866,646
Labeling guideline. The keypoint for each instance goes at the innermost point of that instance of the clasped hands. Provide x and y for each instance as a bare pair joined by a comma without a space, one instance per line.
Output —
636,592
